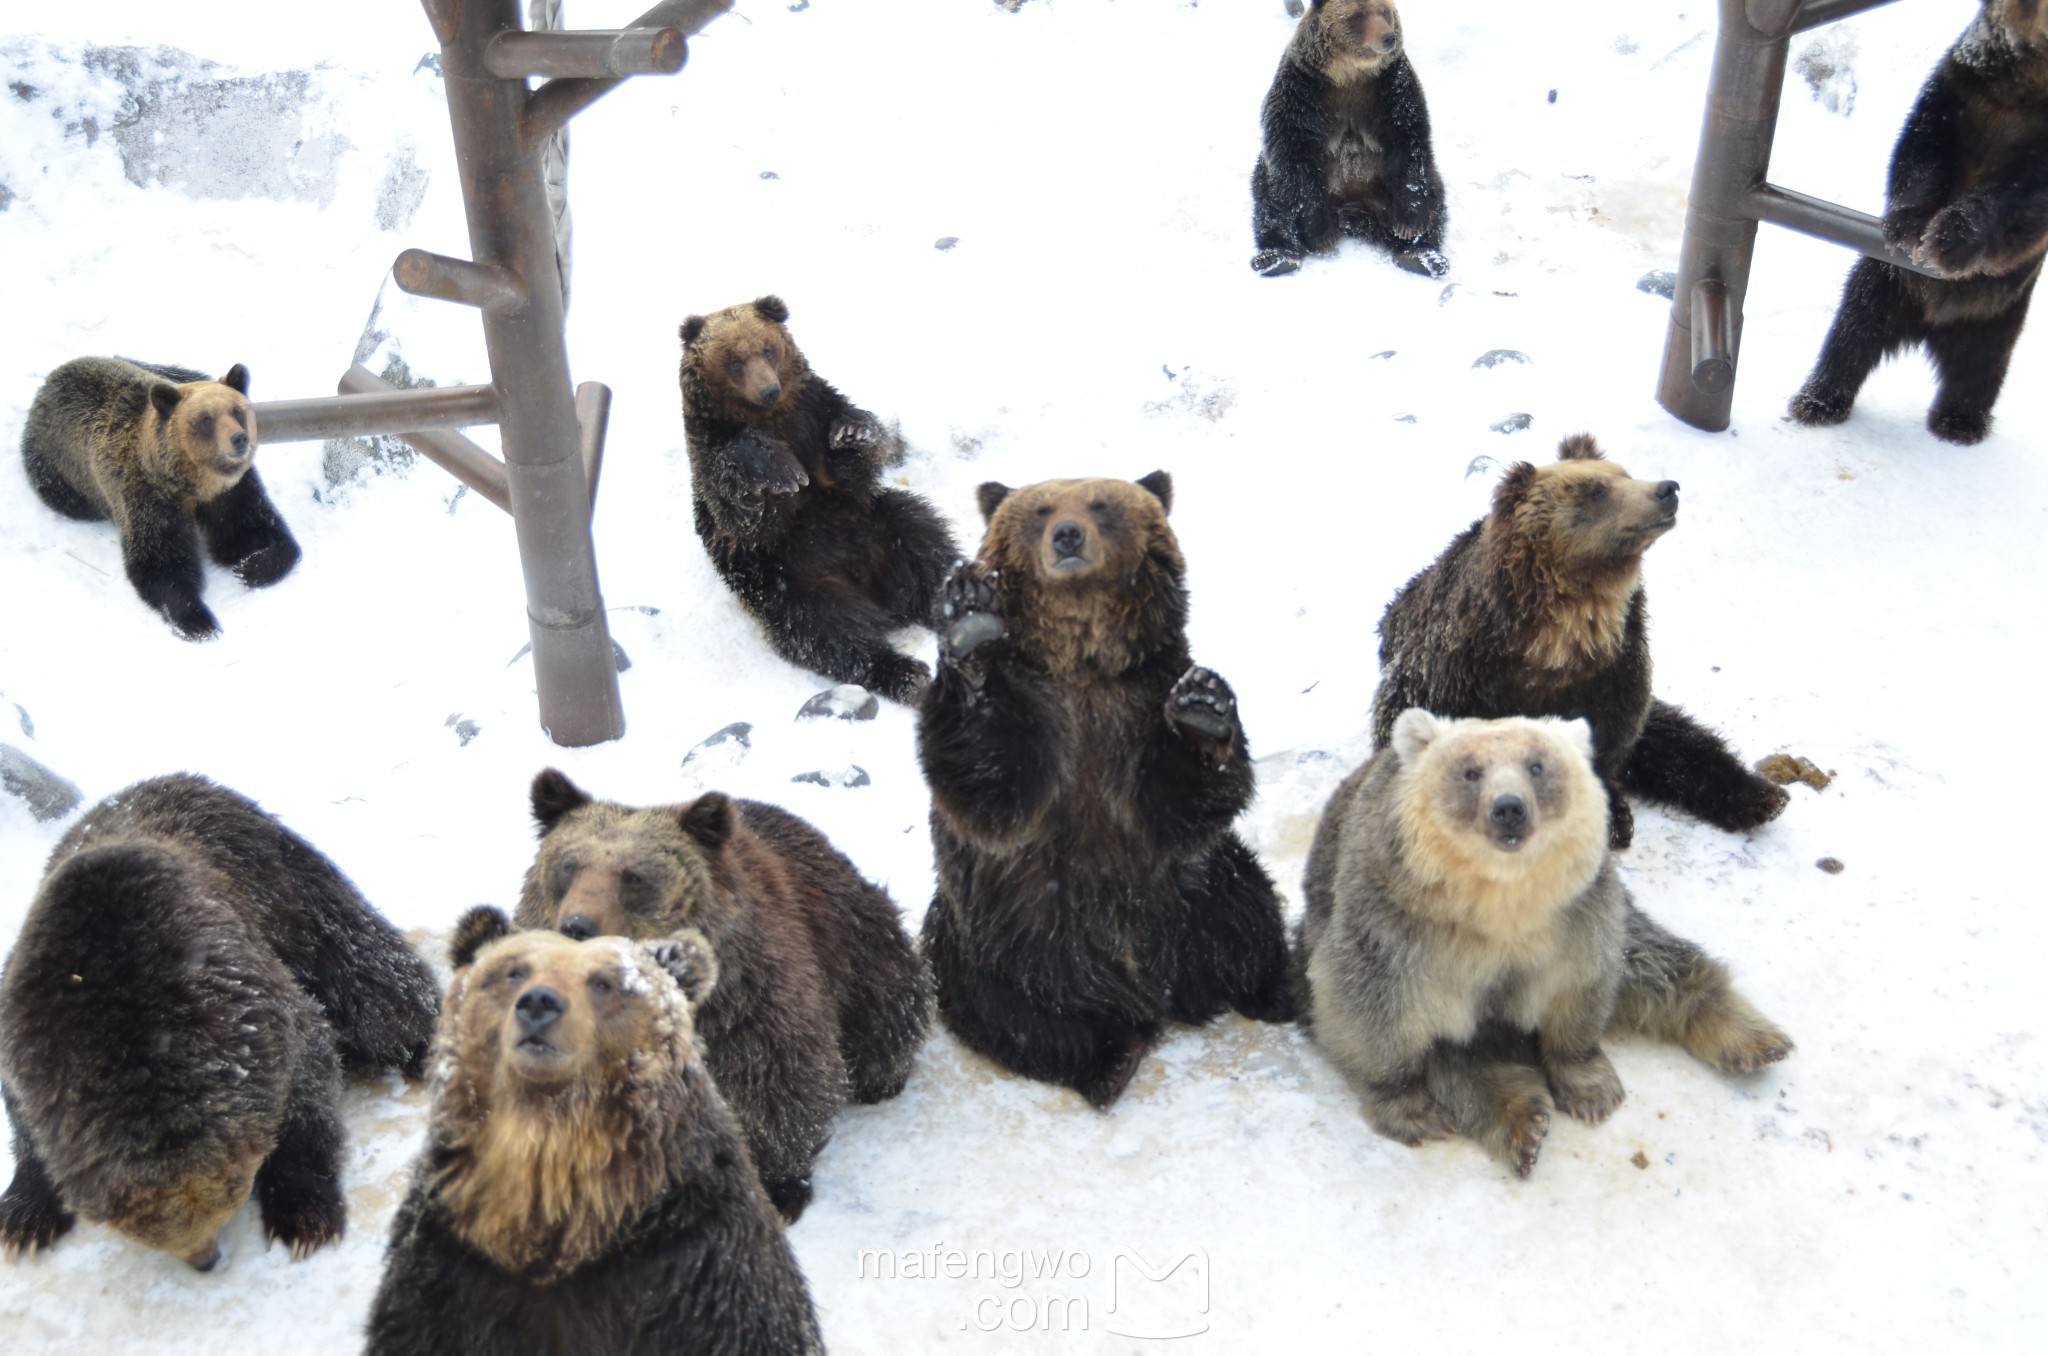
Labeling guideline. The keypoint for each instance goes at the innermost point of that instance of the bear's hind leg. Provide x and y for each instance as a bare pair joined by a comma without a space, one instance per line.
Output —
245,532
1495,1094
1868,325
1970,358
837,630
921,557
1673,991
32,1213
298,1188
1233,949
1677,761
886,1010
1092,1051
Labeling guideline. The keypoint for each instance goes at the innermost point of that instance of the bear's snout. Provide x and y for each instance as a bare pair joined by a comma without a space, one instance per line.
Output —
538,1009
1667,493
1069,541
240,442
579,927
207,1258
1510,818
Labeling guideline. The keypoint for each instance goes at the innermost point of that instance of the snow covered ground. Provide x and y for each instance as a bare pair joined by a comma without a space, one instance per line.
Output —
1849,595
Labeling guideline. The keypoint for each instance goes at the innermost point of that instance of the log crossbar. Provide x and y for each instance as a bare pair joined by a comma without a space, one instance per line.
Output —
1730,195
553,437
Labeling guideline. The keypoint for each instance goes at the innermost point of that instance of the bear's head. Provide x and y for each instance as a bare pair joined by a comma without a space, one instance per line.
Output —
1350,40
1091,573
563,1071
207,430
741,362
184,1217
1503,821
605,869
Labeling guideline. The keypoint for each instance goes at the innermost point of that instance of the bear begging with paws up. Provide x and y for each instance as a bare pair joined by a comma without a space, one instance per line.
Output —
1467,942
786,487
1084,780
1537,610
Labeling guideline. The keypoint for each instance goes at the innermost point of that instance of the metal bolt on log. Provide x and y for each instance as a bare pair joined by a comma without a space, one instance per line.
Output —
553,437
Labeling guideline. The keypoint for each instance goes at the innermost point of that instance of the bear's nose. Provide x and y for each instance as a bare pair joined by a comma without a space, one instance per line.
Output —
240,442
1510,812
539,1008
769,394
579,927
1667,491
1068,538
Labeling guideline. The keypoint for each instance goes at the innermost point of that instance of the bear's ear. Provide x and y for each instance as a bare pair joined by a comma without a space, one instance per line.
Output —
474,931
1161,486
1514,486
693,325
237,378
708,819
1579,734
165,397
771,308
689,960
991,494
1580,447
1413,733
554,795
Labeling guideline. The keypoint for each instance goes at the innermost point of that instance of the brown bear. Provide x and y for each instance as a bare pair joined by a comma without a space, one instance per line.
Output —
584,1188
1085,775
1968,194
171,1018
786,488
1537,610
823,997
169,455
1346,147
1467,942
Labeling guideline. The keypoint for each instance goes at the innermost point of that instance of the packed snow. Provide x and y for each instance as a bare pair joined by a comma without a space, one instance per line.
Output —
211,184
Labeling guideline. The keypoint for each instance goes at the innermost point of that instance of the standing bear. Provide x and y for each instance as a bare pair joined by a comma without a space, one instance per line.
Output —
822,997
584,1188
1967,194
169,455
1537,610
1467,942
786,488
1346,148
171,1019
1084,779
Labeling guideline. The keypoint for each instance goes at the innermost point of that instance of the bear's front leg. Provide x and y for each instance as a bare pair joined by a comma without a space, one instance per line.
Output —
244,531
969,620
32,1213
1202,707
298,1188
1677,761
1502,1104
160,548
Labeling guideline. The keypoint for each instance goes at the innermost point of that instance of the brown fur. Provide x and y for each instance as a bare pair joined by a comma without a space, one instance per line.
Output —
1083,616
554,1154
743,362
1344,41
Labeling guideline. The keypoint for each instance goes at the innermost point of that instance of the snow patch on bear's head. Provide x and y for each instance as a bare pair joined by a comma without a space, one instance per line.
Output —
1503,822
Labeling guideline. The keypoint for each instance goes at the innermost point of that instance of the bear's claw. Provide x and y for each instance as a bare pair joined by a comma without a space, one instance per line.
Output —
1427,263
1275,263
1201,701
969,614
855,432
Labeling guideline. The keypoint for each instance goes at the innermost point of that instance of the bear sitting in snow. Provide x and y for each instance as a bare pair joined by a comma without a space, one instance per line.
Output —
1467,943
1537,610
786,488
1084,779
1346,146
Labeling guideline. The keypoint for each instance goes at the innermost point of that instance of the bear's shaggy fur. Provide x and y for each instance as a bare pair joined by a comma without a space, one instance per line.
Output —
823,997
1467,943
1537,610
1346,147
170,1022
1084,779
169,456
1968,194
584,1188
786,488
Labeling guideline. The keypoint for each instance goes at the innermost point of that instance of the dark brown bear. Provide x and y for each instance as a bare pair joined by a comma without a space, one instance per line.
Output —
1084,779
1537,610
169,456
1968,194
170,1023
584,1188
786,487
823,997
1346,146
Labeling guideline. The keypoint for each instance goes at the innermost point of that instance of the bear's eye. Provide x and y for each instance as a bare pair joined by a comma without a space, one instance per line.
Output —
1098,506
631,880
601,986
1471,774
734,366
202,427
768,352
564,875
1535,769
1043,511
516,975
1597,492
